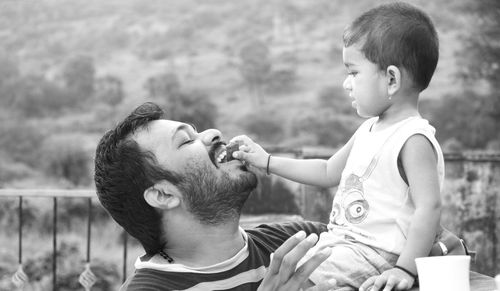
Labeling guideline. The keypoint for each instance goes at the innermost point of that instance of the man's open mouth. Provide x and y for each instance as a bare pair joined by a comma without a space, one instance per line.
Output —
222,153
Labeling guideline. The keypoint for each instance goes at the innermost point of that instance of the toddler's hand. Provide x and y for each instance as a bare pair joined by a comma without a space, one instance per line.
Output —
250,152
392,279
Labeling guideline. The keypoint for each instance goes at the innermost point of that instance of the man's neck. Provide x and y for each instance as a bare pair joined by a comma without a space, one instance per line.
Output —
198,245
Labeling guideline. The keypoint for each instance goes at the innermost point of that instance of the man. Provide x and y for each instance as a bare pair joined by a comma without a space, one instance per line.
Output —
170,187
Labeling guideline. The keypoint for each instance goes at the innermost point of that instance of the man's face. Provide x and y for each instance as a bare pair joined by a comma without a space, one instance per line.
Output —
213,190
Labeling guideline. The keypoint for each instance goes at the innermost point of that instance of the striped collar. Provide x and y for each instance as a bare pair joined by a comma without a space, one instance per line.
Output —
157,263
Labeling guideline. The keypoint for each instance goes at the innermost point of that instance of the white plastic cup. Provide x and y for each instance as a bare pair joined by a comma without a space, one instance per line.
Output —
497,281
443,273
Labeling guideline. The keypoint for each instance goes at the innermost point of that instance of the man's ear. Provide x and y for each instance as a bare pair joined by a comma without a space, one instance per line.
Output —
163,195
393,80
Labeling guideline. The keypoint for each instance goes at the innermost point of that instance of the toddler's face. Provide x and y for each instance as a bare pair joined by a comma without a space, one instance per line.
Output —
365,83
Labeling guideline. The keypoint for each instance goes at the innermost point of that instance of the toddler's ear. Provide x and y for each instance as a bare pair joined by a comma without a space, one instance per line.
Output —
393,75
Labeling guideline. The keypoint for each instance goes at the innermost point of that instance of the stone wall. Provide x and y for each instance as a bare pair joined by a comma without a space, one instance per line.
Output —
471,203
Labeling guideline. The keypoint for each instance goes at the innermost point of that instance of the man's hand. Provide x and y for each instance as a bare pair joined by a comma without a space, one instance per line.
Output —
392,279
283,273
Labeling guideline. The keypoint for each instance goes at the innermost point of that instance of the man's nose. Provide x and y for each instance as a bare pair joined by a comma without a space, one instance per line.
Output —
211,136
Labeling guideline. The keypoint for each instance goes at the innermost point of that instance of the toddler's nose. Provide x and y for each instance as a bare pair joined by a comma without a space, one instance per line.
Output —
347,83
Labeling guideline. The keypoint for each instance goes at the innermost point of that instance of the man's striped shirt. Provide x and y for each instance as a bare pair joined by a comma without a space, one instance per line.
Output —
244,271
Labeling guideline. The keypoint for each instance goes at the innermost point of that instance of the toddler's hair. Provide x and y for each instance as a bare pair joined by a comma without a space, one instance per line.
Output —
397,34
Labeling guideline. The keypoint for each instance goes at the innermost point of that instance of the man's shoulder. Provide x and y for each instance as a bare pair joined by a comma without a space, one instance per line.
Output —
276,233
290,227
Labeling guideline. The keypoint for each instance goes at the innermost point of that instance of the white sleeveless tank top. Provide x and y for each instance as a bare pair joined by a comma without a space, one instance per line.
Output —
373,204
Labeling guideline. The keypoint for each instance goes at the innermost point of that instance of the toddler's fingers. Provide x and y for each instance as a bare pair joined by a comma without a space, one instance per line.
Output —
244,148
243,138
241,155
403,285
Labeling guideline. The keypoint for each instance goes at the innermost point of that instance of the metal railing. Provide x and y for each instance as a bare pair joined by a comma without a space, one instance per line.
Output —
87,278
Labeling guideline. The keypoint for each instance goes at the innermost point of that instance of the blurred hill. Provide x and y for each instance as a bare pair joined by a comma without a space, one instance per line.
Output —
69,70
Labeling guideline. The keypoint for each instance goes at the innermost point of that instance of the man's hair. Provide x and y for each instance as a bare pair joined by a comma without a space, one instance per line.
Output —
397,34
123,171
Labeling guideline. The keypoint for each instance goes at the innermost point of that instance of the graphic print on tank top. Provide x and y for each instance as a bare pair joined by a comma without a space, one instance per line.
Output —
352,206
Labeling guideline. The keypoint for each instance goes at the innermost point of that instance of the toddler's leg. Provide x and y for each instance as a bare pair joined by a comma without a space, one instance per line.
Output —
351,263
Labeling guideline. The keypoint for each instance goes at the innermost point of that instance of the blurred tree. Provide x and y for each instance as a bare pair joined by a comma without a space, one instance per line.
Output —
255,67
21,140
8,69
271,196
264,125
466,120
194,107
163,86
335,99
11,170
328,128
66,156
191,106
480,60
33,96
332,121
282,80
78,76
109,89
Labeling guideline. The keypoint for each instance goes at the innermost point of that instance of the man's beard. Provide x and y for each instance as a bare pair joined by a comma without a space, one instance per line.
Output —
215,200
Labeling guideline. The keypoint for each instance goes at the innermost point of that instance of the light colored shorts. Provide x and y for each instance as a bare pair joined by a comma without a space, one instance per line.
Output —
351,263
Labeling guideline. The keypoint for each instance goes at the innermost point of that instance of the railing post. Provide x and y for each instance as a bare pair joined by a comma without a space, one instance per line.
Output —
54,247
20,230
87,279
88,228
125,239
20,278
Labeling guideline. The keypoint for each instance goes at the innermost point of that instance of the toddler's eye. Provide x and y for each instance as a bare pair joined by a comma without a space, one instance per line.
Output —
353,74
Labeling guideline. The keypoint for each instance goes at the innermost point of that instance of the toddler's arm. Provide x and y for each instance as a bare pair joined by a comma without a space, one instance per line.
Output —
419,163
316,172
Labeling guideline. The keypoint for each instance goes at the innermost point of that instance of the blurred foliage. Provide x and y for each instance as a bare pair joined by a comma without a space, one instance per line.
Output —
70,264
474,118
74,213
456,122
331,122
255,66
9,218
190,106
78,76
21,141
34,97
82,75
109,89
9,68
66,156
12,170
271,196
263,126
281,80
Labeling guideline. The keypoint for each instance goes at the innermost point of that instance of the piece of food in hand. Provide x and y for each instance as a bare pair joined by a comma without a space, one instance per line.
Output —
230,149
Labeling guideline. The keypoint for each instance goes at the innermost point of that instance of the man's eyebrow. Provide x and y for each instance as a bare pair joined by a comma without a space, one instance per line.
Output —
347,65
183,127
